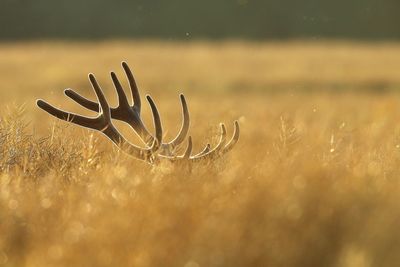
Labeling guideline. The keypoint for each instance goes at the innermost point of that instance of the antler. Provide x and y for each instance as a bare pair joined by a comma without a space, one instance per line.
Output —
155,149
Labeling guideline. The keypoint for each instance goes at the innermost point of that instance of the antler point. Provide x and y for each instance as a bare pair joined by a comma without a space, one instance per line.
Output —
39,102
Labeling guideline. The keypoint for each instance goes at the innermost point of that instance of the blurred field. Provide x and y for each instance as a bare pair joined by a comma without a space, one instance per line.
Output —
314,180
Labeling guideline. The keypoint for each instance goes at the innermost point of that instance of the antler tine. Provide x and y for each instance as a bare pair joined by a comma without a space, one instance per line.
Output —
222,139
221,148
104,107
66,116
235,138
205,151
189,148
132,84
186,155
86,103
218,147
185,125
157,119
122,99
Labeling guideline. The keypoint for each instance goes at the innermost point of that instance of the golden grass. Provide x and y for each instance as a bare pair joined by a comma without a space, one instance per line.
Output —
314,180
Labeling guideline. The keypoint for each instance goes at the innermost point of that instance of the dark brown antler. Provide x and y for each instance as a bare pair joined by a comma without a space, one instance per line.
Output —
155,149
131,113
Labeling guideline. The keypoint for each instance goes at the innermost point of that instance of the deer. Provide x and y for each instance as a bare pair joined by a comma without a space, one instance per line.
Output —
155,149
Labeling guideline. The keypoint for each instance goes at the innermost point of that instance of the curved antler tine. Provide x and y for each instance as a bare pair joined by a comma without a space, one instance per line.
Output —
189,148
157,119
120,91
66,116
105,108
133,86
222,139
84,102
205,151
217,149
185,124
235,138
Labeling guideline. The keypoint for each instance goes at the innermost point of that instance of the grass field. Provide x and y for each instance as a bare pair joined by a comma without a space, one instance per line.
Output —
313,181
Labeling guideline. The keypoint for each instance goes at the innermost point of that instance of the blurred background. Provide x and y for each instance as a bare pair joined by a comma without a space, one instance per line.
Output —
171,20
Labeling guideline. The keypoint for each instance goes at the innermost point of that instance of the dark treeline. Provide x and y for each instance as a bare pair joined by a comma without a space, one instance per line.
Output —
181,19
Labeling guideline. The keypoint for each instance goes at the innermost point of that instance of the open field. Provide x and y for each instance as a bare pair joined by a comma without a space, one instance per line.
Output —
313,181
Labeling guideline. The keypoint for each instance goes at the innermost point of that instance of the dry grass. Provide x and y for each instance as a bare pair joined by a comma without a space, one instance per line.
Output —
314,180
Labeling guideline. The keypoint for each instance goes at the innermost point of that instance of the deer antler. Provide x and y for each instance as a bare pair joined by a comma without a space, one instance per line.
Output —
155,149
131,113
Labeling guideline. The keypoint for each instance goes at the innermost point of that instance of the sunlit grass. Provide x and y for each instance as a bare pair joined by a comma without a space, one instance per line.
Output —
313,181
